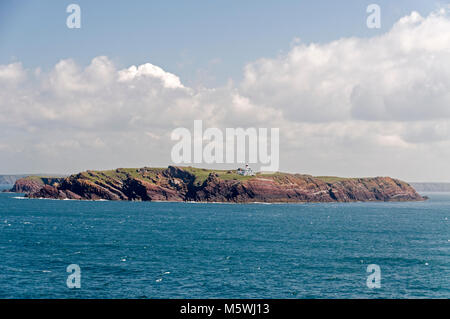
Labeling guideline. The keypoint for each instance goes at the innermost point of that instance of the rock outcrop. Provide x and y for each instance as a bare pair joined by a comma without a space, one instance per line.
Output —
33,184
201,185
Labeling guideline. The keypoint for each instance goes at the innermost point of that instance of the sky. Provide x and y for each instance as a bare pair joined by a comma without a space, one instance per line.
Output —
349,100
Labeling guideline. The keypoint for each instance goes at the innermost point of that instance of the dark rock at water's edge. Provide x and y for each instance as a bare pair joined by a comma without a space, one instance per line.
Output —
26,183
32,184
201,185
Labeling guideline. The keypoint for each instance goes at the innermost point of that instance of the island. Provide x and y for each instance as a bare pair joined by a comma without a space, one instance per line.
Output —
186,184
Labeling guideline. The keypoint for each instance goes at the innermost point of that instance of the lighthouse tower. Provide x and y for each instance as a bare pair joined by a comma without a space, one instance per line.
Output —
247,171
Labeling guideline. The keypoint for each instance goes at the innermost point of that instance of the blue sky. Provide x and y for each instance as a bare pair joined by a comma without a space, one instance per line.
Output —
204,42
348,100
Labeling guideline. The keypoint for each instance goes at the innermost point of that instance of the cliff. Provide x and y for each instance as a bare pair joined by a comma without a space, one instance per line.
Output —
32,184
201,185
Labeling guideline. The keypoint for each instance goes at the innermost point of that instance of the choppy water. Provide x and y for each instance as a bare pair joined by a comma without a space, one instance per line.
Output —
188,250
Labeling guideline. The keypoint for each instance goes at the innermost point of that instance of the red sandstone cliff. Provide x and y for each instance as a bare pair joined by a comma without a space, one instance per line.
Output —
190,184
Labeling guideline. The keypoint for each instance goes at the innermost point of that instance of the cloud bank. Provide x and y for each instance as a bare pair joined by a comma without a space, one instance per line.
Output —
354,106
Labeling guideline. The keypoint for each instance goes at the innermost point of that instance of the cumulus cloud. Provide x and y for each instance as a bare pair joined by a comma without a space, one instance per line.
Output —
354,106
169,80
402,75
68,78
11,73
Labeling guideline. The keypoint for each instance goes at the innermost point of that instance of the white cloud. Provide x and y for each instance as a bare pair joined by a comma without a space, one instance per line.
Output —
402,75
11,73
169,80
67,78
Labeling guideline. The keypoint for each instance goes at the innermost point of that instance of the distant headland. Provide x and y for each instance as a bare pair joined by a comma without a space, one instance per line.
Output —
203,185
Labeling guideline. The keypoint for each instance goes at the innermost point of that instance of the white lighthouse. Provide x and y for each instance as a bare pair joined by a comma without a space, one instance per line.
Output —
247,171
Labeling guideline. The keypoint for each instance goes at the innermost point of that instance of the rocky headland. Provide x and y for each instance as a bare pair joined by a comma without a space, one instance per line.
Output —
201,185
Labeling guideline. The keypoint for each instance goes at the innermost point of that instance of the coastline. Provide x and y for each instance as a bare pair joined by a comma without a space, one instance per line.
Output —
189,184
221,203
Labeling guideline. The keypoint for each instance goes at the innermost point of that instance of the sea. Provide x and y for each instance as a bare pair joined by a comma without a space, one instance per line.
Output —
198,250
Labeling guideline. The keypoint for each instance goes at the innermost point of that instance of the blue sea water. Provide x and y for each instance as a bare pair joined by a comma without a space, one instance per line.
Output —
191,250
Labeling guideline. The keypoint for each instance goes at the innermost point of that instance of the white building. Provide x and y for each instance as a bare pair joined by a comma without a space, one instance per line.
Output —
247,171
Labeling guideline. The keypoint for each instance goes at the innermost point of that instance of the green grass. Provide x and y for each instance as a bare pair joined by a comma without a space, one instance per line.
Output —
151,174
44,180
120,174
333,179
39,178
201,174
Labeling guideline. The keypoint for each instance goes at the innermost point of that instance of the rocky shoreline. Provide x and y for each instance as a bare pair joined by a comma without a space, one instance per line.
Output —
188,184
